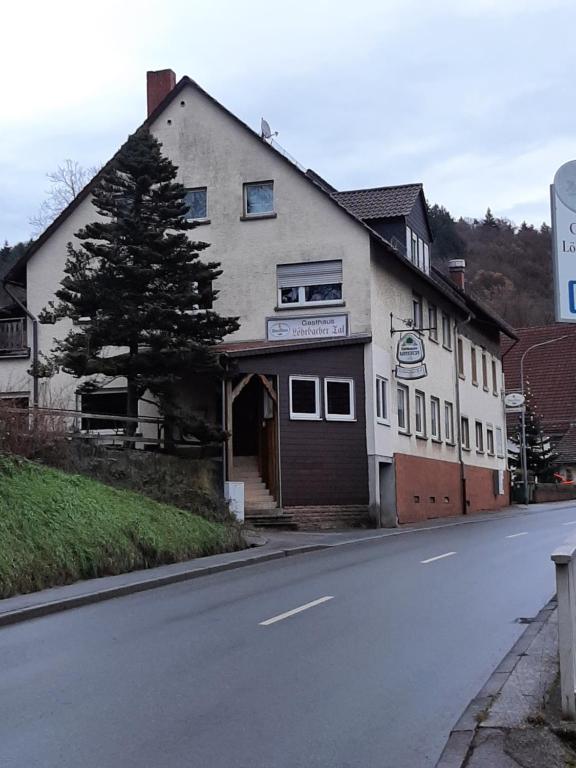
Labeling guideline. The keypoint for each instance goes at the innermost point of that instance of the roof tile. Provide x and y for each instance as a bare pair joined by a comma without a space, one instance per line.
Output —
380,202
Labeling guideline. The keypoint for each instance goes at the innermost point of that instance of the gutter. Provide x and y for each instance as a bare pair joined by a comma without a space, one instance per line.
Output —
34,320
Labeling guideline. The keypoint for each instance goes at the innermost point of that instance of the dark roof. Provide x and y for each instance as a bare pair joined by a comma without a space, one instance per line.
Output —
404,191
249,348
481,312
380,202
566,448
549,371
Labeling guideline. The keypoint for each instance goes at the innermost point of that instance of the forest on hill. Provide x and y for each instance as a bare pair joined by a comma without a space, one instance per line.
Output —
508,268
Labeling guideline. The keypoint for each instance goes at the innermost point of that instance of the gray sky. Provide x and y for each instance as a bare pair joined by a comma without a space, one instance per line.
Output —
475,98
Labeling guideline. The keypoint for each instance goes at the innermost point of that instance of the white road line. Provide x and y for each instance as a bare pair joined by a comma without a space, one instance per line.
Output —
286,615
515,535
438,557
572,522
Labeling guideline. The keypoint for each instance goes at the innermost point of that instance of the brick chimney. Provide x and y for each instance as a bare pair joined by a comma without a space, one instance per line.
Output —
457,268
158,86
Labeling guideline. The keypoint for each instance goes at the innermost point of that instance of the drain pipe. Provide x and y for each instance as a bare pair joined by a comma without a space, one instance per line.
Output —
457,327
34,321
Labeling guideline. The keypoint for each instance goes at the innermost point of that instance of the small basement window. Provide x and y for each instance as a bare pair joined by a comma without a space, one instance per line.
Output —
259,198
304,397
339,399
196,200
114,403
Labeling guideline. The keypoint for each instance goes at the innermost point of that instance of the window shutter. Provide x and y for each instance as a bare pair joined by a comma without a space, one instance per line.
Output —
311,273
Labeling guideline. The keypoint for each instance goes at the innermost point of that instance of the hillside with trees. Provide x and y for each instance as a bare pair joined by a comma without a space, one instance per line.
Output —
507,267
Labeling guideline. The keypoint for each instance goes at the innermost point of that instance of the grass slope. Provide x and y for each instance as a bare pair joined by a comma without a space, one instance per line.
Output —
57,528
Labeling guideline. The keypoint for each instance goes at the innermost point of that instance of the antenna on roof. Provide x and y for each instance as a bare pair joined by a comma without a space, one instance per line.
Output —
265,130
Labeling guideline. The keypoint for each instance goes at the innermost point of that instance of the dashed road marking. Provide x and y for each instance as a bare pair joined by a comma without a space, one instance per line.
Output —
438,557
294,611
515,535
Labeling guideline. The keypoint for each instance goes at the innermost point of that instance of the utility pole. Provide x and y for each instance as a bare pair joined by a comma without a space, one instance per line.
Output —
524,455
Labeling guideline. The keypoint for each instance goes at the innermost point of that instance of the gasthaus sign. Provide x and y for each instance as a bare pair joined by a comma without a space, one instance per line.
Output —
563,204
322,327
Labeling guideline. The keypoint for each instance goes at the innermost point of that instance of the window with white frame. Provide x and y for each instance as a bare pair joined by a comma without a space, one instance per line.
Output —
494,378
460,356
479,429
474,366
499,443
449,422
446,331
381,399
433,322
435,418
417,311
490,440
402,404
465,432
420,414
313,282
104,402
414,249
339,399
304,397
484,372
196,200
259,198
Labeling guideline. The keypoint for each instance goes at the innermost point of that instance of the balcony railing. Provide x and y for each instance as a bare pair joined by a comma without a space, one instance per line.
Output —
13,337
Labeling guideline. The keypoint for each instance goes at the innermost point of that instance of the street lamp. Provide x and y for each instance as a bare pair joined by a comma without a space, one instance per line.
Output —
523,427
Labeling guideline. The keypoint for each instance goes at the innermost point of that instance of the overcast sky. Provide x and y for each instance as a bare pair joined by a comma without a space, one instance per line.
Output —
474,98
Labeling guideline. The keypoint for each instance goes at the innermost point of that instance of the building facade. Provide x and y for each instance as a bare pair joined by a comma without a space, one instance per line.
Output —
325,425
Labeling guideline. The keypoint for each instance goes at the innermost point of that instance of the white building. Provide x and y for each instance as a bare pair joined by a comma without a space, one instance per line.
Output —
324,283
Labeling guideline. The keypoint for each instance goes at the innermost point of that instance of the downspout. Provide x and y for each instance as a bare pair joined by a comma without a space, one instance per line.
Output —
457,327
34,320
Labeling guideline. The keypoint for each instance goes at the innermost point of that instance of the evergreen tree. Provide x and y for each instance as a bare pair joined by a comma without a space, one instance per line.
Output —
540,456
134,286
447,242
489,220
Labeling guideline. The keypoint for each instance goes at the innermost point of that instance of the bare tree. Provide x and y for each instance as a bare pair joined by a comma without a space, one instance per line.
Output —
65,184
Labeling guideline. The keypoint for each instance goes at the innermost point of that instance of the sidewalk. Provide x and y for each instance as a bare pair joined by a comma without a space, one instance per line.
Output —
513,721
266,546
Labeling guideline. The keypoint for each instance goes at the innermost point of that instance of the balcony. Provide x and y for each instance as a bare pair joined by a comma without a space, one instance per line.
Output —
13,337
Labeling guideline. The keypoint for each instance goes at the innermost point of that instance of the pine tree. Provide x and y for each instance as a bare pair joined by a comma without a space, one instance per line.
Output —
135,286
540,456
489,220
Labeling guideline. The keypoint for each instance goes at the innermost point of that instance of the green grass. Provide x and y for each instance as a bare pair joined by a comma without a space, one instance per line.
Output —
57,528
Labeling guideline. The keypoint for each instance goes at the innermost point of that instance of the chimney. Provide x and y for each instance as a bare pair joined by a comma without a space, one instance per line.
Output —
457,268
158,86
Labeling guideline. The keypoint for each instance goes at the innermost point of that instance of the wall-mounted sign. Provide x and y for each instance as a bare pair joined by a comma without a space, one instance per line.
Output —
563,204
514,400
410,349
322,327
417,372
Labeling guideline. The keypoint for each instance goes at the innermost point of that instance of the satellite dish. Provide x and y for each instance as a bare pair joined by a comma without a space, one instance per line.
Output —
265,130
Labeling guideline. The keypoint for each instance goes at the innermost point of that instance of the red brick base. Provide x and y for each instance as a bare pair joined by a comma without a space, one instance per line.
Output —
429,488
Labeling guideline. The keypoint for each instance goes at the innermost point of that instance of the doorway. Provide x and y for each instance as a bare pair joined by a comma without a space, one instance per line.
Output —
254,430
387,480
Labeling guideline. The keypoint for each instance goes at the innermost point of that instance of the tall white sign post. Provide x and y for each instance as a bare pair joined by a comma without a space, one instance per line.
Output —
563,204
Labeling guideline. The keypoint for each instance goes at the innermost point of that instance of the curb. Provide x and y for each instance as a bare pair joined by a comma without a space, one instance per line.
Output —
66,604
458,747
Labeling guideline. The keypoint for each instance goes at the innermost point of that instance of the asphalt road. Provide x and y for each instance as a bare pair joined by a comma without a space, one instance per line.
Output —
196,675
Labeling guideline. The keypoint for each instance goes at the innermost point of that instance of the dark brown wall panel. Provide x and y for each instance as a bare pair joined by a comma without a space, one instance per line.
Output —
322,462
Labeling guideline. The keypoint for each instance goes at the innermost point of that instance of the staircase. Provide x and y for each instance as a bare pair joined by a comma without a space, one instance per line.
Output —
260,508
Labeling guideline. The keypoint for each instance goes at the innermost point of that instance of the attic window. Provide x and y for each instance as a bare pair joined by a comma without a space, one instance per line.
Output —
259,198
